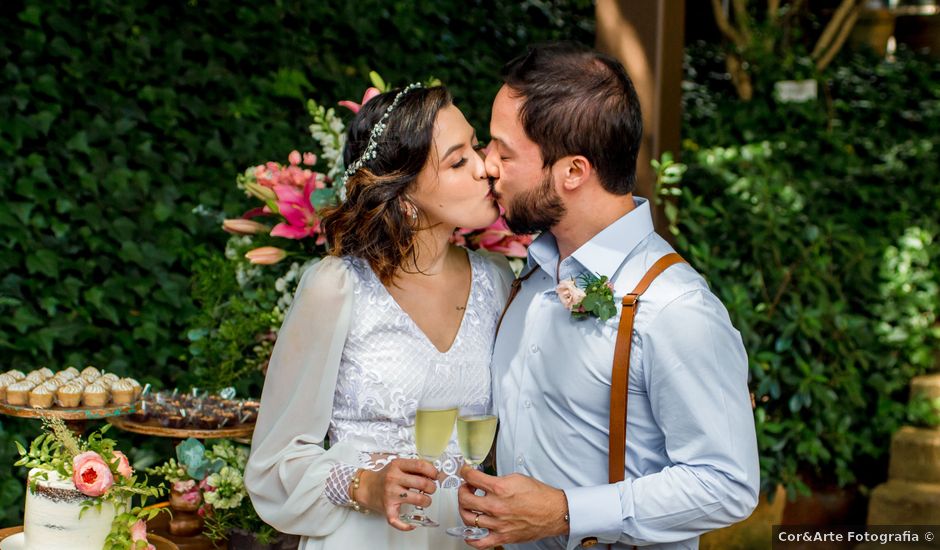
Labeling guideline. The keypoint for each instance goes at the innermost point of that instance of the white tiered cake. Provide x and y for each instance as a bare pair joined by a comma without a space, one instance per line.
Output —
52,516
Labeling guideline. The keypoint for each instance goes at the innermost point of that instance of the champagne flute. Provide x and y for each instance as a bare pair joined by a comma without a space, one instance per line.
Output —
476,427
434,424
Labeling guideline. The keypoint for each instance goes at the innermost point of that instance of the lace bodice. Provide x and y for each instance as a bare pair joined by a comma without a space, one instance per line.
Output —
387,359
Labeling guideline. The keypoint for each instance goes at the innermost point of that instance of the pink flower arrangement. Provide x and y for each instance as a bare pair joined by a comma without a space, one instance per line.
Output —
266,255
188,491
495,238
300,217
242,226
355,107
91,474
271,174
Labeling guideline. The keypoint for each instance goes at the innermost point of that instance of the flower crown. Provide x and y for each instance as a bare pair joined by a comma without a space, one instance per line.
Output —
376,133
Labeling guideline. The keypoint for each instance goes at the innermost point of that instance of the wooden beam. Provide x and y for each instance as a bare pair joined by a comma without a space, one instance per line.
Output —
647,36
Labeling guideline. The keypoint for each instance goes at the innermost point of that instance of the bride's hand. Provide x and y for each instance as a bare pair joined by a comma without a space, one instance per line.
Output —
386,490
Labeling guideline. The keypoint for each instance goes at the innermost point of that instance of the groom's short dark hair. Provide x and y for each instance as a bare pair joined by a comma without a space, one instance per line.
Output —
578,101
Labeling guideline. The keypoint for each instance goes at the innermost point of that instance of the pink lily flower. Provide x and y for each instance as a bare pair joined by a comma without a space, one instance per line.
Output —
243,227
266,255
354,107
301,220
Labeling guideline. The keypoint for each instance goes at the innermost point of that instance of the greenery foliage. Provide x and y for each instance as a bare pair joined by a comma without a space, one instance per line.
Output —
121,124
816,225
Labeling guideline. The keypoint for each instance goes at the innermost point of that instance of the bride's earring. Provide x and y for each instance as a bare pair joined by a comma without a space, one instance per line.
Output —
412,210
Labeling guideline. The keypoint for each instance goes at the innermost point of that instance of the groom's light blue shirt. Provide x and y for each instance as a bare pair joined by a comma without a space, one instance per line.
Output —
691,458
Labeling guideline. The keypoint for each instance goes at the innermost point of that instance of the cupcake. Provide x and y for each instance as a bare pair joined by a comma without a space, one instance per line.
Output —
69,395
41,397
16,374
46,372
90,370
122,392
109,378
73,371
35,377
95,395
66,375
17,394
53,384
5,380
173,421
136,385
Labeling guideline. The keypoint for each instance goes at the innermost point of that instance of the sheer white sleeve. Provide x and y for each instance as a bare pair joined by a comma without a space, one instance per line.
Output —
288,467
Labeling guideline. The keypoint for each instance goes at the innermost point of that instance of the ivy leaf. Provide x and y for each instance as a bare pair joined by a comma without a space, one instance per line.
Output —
43,261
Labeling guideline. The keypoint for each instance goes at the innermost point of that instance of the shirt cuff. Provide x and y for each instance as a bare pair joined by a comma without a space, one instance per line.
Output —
594,512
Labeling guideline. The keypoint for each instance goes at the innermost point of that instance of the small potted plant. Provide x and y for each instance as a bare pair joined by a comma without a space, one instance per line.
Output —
212,482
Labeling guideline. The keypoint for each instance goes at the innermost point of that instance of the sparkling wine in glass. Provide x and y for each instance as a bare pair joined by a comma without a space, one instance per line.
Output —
476,427
434,424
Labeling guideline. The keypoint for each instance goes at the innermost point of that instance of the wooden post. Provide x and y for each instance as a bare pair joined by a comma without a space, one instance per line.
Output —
647,36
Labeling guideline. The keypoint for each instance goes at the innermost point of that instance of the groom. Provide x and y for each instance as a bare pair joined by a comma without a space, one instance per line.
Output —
566,129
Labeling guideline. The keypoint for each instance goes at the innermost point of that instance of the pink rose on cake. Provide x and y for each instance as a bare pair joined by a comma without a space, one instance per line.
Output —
124,465
91,475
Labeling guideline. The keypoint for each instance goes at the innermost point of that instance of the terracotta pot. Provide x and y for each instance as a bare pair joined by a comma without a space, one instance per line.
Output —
754,533
185,524
827,505
179,503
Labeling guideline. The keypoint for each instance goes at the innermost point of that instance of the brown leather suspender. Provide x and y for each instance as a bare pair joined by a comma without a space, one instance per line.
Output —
620,376
621,368
513,292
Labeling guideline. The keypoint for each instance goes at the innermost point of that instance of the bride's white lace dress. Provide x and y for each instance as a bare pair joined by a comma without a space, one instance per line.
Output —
350,364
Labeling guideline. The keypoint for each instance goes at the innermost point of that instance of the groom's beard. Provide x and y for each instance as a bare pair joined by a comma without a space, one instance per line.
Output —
536,210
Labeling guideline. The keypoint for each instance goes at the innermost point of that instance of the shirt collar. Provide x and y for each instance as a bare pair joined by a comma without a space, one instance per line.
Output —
605,252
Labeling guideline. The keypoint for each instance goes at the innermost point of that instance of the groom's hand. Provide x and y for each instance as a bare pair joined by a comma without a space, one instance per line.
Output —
516,508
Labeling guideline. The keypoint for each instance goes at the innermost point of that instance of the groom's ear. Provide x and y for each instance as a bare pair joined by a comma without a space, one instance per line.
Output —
576,171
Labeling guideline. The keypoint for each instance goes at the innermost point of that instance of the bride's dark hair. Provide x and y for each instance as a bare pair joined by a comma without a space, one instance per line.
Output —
374,222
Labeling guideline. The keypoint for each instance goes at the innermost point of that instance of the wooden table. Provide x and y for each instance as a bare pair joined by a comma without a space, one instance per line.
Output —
159,542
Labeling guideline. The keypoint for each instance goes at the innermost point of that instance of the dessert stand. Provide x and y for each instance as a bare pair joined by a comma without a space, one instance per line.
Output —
76,418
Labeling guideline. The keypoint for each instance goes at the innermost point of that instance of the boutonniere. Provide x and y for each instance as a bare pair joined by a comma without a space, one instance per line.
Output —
588,295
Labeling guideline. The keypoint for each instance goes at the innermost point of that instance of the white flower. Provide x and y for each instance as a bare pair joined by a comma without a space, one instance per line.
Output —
228,489
569,294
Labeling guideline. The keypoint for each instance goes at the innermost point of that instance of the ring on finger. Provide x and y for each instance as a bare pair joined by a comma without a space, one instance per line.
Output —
476,520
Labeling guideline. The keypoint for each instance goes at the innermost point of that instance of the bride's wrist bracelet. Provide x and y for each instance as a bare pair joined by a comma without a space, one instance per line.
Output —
356,480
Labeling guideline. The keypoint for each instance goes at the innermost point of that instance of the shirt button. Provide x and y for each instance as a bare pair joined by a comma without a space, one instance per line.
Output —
519,460
528,403
533,348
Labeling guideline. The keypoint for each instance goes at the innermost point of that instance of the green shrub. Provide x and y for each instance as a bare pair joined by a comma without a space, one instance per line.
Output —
816,225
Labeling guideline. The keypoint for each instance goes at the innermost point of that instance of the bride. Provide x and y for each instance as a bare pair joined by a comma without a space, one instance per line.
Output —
392,306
